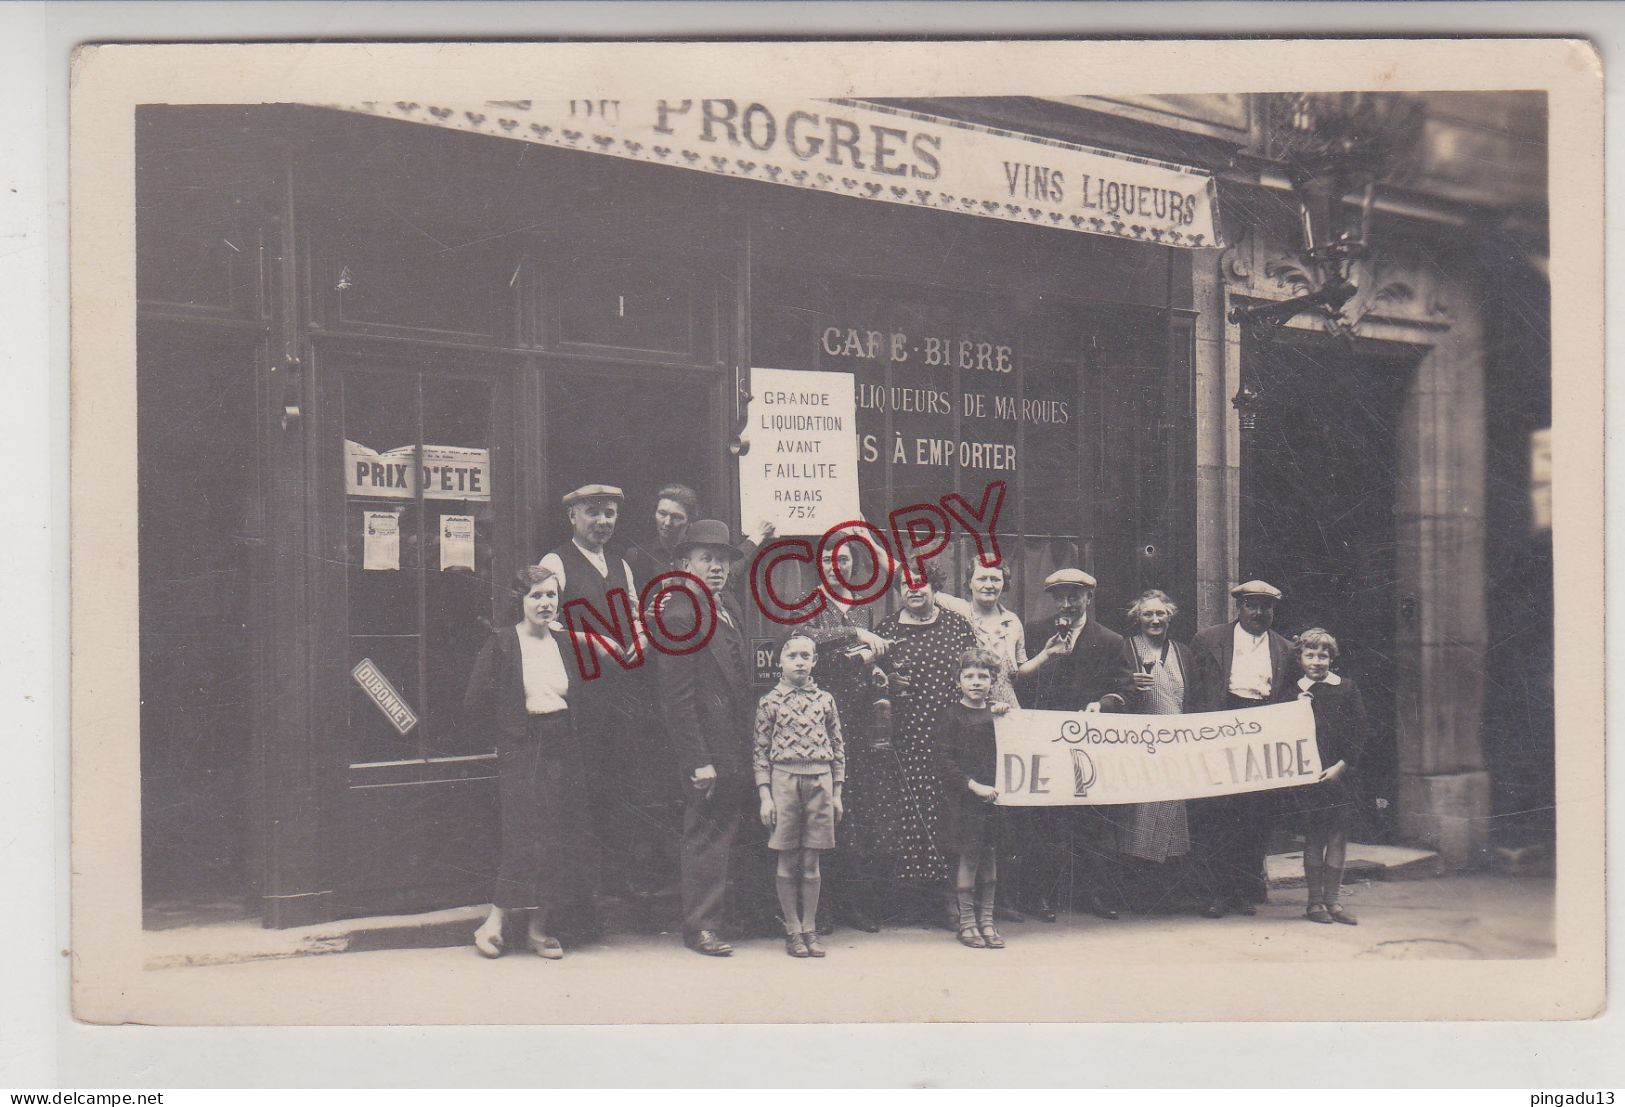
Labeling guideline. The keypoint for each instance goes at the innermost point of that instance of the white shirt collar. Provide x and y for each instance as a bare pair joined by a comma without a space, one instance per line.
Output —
596,555
1331,678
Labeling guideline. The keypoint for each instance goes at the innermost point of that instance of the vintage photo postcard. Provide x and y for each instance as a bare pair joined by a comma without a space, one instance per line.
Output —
804,532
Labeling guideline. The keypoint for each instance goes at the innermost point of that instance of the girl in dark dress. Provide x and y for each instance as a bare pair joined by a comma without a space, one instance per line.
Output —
967,758
520,688
922,663
1322,811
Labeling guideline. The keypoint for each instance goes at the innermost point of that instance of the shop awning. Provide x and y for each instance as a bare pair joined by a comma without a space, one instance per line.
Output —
864,150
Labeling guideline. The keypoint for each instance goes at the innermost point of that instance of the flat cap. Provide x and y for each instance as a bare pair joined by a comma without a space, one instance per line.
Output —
1256,588
593,492
1075,577
709,532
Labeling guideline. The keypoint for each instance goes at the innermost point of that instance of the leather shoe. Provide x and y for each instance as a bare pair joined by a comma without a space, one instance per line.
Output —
1246,909
1041,910
1101,908
707,942
1214,909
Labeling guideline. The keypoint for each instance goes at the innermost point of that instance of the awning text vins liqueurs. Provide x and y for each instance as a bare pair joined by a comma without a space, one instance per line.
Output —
864,150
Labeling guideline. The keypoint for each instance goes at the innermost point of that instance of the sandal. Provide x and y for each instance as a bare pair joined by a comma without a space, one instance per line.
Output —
547,947
992,938
1335,910
796,946
970,936
1317,913
815,948
489,944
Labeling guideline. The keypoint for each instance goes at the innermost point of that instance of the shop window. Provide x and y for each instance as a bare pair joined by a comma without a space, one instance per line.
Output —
197,247
419,526
614,296
620,302
397,274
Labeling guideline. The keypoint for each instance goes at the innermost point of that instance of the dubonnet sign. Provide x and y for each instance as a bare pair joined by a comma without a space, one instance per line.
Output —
865,150
1059,758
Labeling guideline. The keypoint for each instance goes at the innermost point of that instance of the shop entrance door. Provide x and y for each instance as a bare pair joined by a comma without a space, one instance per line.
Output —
637,430
419,530
1317,521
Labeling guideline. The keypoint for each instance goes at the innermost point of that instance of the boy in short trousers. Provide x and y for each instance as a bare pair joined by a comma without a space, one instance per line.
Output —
799,762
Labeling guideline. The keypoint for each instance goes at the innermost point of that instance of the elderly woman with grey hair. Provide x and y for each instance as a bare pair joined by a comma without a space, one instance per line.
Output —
1155,834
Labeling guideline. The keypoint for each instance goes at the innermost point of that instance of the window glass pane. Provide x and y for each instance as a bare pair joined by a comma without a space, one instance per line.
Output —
382,525
629,302
456,558
394,273
373,737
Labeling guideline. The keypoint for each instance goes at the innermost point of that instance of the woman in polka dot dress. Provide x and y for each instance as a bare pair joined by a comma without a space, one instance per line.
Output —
922,662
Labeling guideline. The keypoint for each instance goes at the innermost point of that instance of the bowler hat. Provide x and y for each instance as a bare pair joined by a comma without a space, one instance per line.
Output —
708,532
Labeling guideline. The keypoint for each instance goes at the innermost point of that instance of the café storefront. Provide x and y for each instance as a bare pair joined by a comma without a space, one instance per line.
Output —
378,342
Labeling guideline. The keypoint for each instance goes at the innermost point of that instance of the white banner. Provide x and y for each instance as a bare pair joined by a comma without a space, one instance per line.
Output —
449,472
1060,758
864,150
801,471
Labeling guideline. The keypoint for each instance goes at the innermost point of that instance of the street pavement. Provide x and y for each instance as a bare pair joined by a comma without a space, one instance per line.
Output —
653,978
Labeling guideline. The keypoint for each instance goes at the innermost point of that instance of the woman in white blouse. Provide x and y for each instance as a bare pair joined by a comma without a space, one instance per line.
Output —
520,687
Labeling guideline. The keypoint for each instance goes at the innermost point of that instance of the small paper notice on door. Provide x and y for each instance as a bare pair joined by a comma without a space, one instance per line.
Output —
456,542
381,544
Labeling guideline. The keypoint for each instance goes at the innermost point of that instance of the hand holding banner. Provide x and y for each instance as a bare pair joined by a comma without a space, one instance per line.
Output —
1064,758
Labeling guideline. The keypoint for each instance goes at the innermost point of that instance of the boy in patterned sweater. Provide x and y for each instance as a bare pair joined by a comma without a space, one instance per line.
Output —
799,761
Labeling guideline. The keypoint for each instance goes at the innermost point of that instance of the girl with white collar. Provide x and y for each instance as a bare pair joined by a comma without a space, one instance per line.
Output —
1323,810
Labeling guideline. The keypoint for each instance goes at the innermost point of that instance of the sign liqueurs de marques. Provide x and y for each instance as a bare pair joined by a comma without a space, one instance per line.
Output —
1066,758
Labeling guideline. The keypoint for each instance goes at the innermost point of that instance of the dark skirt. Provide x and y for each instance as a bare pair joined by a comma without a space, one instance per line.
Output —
1317,808
968,825
548,854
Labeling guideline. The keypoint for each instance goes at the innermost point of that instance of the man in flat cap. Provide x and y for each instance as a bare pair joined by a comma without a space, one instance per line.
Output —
608,707
1075,664
709,712
1237,665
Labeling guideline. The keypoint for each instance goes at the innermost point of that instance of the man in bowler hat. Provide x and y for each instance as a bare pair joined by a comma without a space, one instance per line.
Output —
1237,665
709,711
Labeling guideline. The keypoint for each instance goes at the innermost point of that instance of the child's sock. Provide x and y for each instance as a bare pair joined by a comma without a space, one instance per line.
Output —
986,891
811,885
787,903
965,898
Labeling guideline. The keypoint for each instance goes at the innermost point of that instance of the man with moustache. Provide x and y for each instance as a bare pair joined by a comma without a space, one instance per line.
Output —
1237,665
1074,664
710,714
